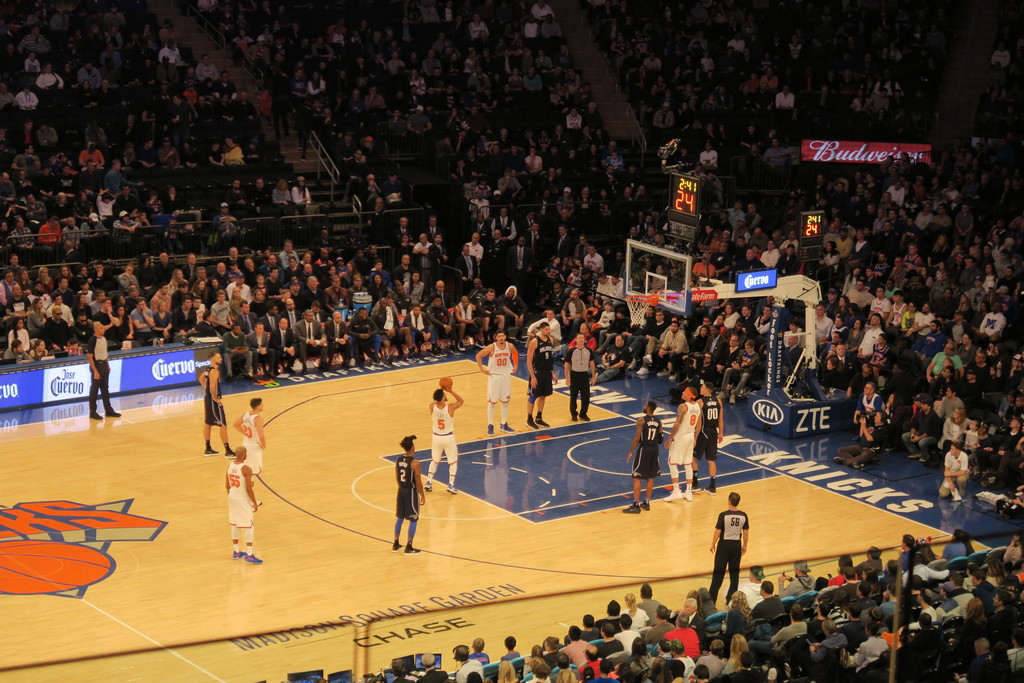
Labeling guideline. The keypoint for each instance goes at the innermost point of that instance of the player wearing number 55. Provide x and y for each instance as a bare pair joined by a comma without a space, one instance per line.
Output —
242,506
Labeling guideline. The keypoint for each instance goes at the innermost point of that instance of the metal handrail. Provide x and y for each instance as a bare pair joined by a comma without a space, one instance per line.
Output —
638,137
324,161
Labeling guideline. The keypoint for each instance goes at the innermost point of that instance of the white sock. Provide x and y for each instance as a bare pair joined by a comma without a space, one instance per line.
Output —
249,534
689,478
452,469
490,413
674,472
504,412
431,470
234,538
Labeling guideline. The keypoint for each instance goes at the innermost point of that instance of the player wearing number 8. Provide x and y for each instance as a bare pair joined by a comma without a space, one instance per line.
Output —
251,426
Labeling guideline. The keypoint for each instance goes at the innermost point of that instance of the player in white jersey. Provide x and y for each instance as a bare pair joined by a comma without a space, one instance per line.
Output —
680,443
502,361
242,505
442,419
251,426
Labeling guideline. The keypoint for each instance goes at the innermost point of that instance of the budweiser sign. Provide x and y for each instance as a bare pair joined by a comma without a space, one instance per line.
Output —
846,152
699,295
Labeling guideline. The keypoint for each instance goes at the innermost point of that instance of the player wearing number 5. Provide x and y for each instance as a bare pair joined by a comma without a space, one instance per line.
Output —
242,505
680,444
729,544
502,361
442,417
251,426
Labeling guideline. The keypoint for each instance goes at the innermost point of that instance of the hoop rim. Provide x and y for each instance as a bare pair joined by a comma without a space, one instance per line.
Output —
651,299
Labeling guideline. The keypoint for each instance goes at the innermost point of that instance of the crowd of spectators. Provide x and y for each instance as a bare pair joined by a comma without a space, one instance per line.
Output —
999,107
722,75
813,623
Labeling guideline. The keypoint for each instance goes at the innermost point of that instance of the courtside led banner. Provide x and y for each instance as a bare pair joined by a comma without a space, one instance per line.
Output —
759,279
847,152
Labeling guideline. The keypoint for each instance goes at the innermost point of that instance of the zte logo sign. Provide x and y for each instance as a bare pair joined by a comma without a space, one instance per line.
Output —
8,391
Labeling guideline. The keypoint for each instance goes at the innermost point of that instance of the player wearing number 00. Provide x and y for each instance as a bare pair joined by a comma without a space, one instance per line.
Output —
710,435
645,444
680,444
502,361
442,417
242,505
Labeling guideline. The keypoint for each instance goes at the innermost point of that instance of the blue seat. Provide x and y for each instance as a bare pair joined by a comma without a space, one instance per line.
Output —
598,641
978,557
491,670
713,622
788,602
957,564
807,599
652,649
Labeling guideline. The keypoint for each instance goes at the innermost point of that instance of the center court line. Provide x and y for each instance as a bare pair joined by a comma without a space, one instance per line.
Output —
145,637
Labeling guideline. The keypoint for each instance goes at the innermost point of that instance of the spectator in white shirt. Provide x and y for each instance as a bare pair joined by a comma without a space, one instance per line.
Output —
593,260
26,99
709,157
784,99
994,322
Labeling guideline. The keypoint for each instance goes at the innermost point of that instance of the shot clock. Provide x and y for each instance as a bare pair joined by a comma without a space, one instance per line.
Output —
684,205
812,231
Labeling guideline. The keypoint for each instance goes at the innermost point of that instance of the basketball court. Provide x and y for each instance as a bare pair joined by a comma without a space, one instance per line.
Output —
128,542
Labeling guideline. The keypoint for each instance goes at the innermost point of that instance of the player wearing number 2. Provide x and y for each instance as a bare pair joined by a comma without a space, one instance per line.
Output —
410,495
645,444
251,426
711,434
680,444
502,361
242,505
442,417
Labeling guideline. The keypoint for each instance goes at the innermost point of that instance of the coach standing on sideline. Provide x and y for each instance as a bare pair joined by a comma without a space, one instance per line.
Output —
580,373
96,351
729,544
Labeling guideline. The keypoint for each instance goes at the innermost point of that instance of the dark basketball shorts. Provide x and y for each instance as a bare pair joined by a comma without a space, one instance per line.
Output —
645,463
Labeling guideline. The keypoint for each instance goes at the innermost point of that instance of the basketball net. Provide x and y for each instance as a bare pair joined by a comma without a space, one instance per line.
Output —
638,304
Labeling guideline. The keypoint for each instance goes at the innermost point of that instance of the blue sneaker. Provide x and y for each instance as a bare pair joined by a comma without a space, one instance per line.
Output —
490,430
505,428
428,486
237,555
252,559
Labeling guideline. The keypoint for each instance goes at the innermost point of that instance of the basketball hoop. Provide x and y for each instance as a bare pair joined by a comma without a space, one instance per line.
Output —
638,304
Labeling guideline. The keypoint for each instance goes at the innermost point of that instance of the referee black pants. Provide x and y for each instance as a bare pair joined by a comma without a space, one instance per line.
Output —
727,556
579,387
100,385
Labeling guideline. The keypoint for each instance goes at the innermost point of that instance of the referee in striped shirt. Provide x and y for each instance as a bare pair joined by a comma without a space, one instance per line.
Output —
729,544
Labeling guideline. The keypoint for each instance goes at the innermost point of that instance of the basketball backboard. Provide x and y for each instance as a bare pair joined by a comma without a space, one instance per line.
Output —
651,269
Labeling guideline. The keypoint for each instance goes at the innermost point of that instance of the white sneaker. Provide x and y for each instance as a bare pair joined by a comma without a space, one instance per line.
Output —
956,496
648,359
643,372
675,495
688,496
663,373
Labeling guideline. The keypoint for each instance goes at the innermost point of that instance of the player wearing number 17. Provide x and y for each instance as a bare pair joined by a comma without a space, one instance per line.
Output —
502,361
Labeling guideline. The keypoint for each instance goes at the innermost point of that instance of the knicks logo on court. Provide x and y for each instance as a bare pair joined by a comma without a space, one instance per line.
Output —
59,547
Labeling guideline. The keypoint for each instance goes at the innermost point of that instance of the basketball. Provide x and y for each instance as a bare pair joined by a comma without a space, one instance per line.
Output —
34,567
445,383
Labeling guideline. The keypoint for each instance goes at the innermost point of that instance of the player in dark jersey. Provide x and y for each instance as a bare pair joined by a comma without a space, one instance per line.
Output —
540,362
214,406
410,495
646,440
712,431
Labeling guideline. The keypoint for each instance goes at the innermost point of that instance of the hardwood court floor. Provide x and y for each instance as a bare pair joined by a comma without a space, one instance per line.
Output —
324,533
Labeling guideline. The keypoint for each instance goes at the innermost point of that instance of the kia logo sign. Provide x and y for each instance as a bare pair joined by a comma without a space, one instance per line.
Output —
8,391
762,279
698,295
767,412
162,369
